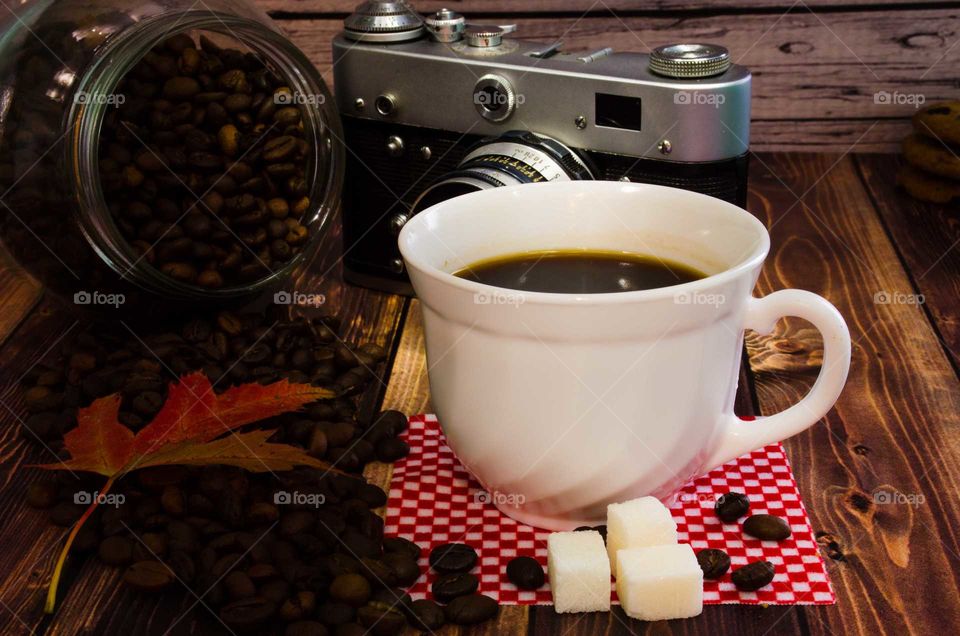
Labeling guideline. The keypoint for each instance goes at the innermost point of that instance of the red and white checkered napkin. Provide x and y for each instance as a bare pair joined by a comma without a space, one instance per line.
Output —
433,500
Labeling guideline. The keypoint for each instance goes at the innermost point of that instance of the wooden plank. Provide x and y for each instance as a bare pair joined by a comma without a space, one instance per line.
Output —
828,135
28,541
815,77
20,293
572,7
893,435
927,237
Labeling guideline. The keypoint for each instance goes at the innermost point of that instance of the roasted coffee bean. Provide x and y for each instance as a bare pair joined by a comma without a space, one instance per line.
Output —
262,513
713,562
372,495
306,628
239,585
41,495
335,613
449,558
753,576
381,619
361,545
115,551
148,576
426,616
525,572
400,545
447,587
391,449
182,565
406,570
300,605
247,614
468,610
766,527
353,589
64,514
378,573
731,506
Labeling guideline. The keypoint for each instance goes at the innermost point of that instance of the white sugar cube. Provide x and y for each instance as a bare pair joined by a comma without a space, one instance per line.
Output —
638,523
660,582
579,572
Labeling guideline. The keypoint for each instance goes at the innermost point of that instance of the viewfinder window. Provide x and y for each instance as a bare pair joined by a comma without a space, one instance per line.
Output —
618,111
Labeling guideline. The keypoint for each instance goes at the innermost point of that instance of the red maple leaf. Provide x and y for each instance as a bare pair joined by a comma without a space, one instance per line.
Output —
184,431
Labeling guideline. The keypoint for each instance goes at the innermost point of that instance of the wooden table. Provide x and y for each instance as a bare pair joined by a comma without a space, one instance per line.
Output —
840,229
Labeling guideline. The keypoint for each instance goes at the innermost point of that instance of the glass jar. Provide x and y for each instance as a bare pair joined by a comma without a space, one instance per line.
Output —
64,215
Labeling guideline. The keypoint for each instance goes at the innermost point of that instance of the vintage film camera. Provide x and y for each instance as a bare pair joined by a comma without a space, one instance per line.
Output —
435,107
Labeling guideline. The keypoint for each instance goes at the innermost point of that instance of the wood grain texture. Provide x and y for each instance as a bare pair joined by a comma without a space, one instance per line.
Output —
927,238
816,77
28,542
20,293
893,435
575,7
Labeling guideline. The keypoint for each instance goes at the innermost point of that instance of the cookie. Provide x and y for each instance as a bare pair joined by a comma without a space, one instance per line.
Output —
932,156
926,187
940,121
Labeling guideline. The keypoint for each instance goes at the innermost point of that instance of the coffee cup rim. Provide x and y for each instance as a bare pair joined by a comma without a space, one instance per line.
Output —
414,261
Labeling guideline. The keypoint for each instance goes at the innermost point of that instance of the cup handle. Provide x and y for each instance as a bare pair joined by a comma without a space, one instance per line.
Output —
739,436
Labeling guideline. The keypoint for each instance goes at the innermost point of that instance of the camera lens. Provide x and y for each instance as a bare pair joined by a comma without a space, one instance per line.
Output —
513,158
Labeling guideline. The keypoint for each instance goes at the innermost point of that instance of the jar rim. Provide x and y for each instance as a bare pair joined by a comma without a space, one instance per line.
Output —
85,118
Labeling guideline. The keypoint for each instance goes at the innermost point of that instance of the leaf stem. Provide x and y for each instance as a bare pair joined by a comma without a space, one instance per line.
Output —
62,559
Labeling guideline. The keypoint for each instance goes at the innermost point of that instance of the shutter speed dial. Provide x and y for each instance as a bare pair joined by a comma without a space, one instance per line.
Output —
378,21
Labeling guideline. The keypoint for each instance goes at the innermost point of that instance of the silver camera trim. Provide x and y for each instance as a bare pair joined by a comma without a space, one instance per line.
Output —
433,83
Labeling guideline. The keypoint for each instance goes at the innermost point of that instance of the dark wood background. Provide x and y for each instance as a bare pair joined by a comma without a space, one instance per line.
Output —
817,64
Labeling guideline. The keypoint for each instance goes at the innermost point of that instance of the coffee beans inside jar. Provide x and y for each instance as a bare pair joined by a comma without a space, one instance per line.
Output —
204,164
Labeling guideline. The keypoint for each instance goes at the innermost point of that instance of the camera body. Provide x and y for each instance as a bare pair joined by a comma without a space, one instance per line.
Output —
435,108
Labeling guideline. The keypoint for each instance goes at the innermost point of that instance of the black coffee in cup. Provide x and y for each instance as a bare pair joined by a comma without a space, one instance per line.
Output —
579,271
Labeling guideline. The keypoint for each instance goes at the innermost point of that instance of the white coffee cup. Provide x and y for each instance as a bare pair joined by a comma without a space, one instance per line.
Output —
560,404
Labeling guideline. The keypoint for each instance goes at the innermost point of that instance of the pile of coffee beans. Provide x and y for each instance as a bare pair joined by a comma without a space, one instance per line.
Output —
229,349
203,164
290,553
729,508
457,587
